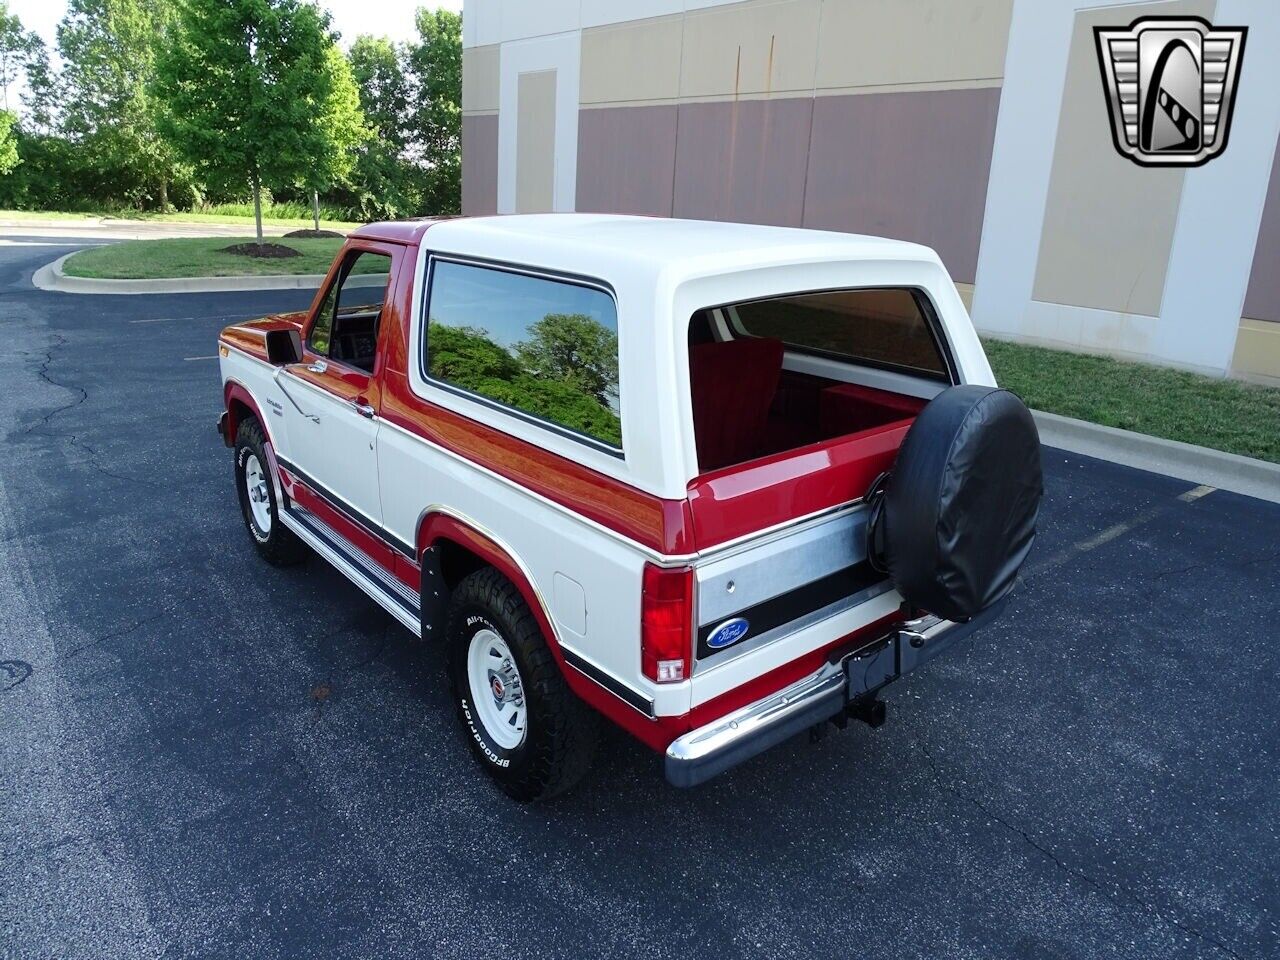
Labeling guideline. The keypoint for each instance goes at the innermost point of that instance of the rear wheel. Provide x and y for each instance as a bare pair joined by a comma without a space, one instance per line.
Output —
524,724
256,489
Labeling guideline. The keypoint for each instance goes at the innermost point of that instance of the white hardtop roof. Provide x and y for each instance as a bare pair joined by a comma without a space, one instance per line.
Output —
585,242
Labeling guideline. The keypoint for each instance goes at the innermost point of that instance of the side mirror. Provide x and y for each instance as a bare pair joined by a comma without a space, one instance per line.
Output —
283,347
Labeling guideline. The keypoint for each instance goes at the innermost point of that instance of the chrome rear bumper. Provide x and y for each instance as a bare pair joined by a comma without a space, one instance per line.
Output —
701,754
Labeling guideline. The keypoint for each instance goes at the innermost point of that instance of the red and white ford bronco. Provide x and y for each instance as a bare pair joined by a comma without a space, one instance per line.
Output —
717,483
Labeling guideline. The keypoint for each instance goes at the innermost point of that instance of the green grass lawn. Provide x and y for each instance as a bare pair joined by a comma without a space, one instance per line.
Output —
197,257
189,216
1223,414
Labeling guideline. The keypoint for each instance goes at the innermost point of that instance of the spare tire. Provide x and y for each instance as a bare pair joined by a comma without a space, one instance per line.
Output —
954,521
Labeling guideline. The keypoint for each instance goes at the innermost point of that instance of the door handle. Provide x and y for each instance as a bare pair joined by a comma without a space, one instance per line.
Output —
364,409
318,366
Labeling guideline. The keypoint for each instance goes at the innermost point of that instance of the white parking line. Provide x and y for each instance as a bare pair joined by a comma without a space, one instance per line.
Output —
1192,495
214,357
1116,530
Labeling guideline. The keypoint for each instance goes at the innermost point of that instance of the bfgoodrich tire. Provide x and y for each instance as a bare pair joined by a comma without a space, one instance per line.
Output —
257,491
525,727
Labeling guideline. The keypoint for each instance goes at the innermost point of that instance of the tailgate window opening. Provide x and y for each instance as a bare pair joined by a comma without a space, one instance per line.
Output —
751,399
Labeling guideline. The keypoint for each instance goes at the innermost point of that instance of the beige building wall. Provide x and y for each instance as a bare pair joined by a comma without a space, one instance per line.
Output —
878,43
760,47
795,48
536,142
632,63
1108,226
480,75
743,111
480,79
1257,354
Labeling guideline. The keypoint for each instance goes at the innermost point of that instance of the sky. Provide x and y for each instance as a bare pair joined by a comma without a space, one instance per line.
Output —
392,18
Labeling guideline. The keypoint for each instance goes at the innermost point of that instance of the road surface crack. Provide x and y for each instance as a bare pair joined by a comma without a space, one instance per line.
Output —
1053,858
1178,571
13,673
381,649
114,635
42,371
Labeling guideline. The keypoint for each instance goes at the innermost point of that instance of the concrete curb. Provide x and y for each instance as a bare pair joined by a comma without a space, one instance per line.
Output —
1226,471
51,277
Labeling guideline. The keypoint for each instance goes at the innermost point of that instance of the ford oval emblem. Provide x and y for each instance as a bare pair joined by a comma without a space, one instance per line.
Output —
728,633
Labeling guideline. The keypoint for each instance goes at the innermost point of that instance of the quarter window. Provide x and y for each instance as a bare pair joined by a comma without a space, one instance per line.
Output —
545,347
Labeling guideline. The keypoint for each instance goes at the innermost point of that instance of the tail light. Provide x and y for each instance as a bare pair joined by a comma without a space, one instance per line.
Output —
666,623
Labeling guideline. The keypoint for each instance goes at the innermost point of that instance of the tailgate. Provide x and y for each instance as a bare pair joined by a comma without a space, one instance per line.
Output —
777,598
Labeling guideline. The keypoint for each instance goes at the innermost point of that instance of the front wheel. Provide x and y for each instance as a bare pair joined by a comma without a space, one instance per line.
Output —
255,486
524,724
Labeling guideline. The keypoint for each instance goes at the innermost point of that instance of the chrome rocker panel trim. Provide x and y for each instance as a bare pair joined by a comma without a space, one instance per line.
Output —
701,754
355,565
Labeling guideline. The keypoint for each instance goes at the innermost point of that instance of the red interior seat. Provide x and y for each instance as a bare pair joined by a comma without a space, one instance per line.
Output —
732,386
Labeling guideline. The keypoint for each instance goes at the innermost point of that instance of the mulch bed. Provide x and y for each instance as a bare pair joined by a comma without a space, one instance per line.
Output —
310,234
264,251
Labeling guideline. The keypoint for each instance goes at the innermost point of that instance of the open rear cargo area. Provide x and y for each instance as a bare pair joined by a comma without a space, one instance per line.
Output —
777,440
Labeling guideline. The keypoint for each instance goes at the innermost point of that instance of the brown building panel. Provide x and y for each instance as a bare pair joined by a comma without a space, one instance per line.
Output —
911,165
480,164
1262,302
626,159
743,160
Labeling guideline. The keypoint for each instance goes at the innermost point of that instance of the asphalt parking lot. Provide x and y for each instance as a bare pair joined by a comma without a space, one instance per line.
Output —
204,756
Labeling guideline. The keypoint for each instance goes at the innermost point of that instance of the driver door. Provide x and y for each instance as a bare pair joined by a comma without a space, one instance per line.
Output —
332,415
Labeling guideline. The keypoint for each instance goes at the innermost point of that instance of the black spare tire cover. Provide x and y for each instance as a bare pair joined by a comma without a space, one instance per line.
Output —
958,514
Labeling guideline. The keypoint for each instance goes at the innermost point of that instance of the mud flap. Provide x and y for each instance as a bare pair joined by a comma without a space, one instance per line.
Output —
434,594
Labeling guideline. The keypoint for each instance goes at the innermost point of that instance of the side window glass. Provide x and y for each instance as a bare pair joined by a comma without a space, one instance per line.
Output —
543,346
346,328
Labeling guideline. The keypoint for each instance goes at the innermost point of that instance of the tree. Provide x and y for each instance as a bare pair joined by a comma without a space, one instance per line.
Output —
43,93
251,94
436,62
17,47
384,182
576,349
342,123
379,72
108,49
8,141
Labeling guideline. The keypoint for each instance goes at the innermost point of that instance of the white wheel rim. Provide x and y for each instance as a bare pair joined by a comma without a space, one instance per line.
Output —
255,484
496,689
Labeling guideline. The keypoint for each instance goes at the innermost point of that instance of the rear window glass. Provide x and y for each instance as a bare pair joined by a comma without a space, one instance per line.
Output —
884,327
541,346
